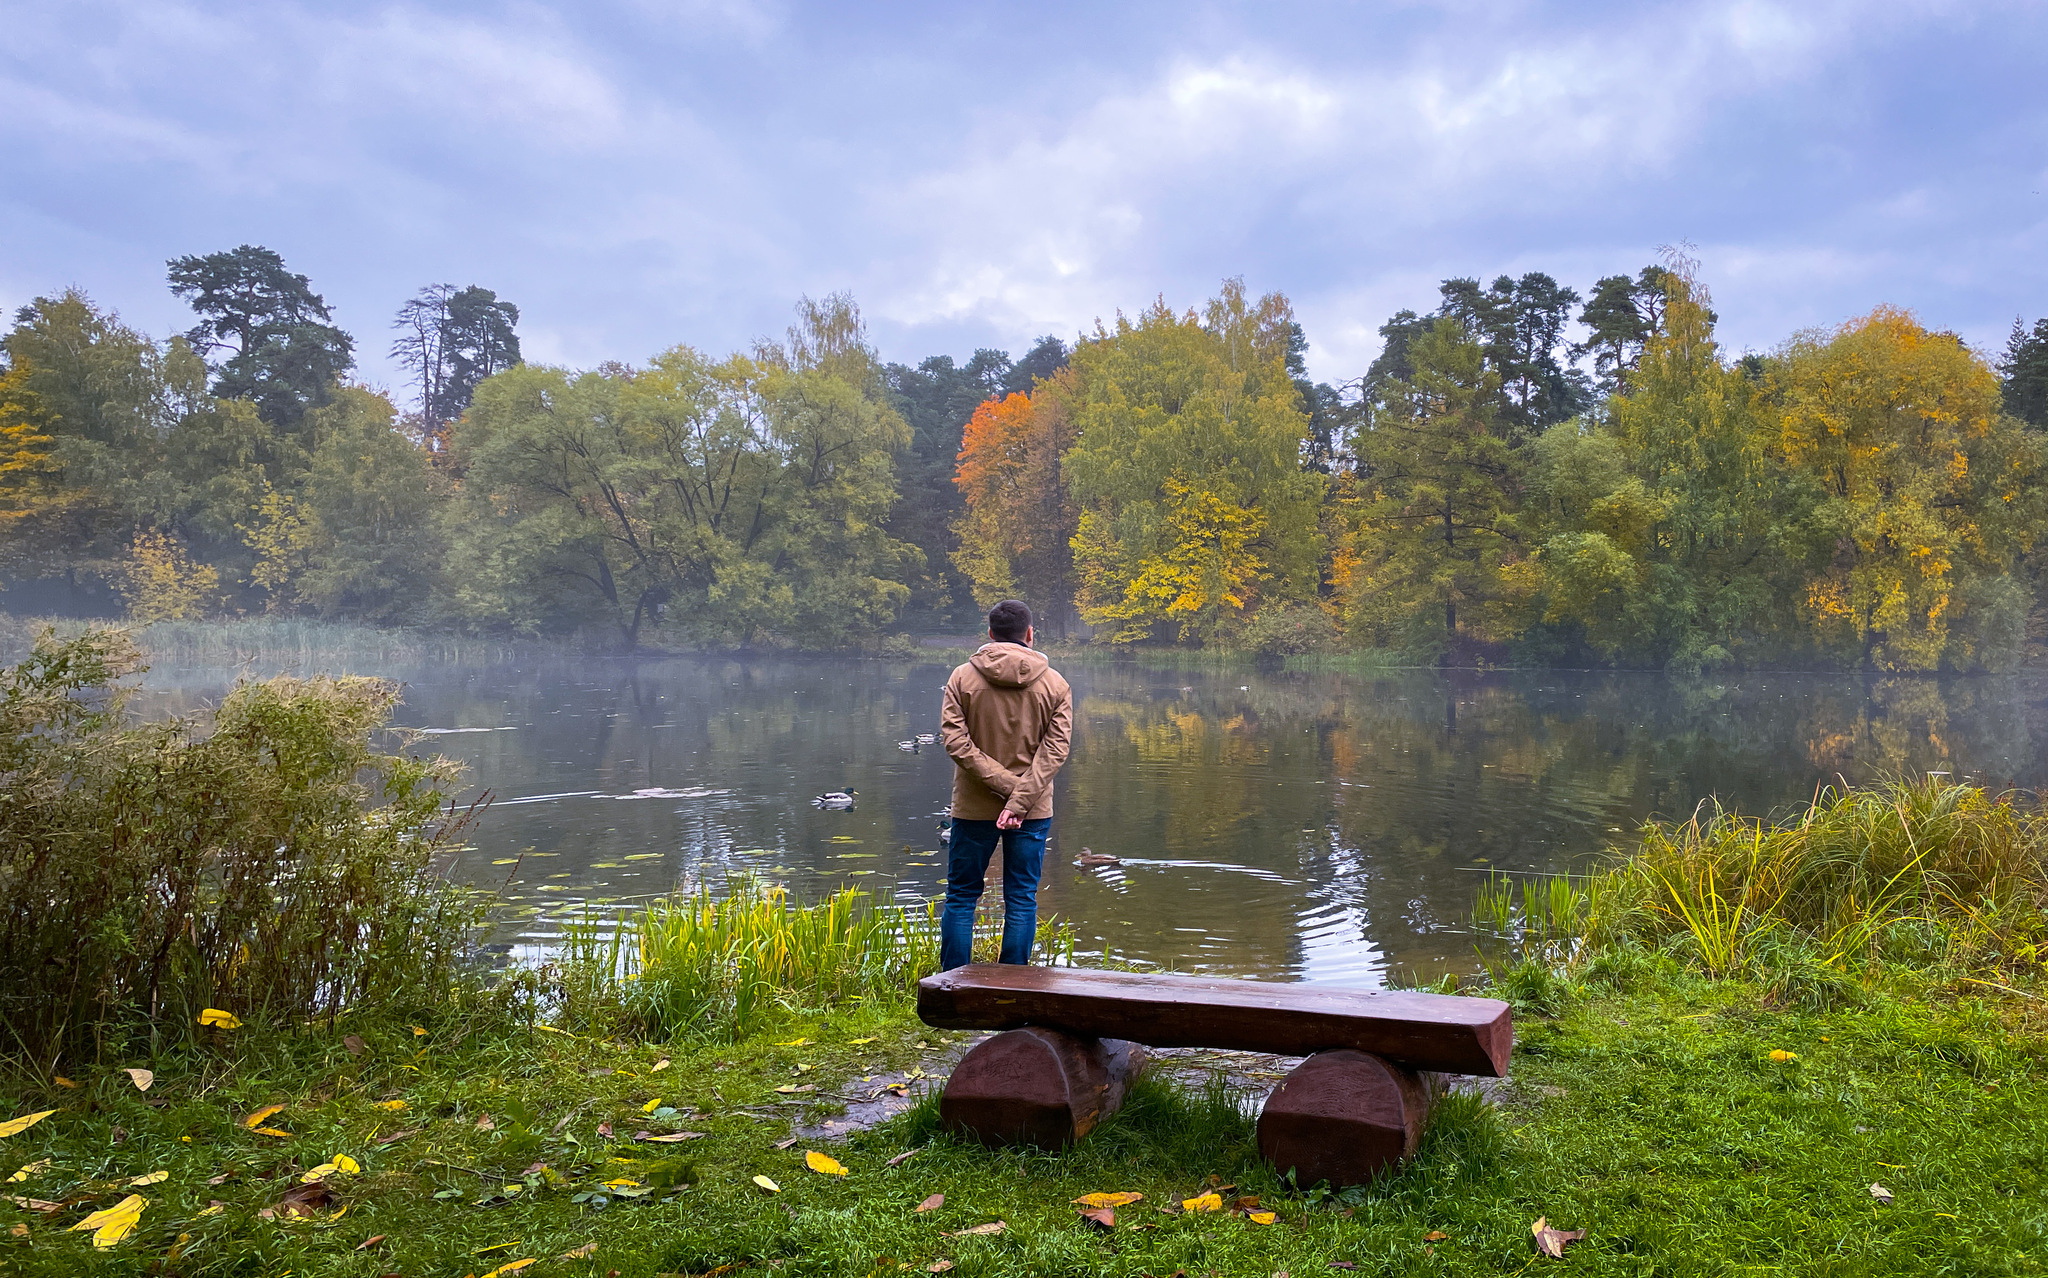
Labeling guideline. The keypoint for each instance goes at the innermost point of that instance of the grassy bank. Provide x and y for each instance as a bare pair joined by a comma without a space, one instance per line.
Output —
251,1034
1650,1112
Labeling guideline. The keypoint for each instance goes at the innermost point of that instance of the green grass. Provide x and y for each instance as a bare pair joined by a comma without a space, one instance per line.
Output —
1648,1113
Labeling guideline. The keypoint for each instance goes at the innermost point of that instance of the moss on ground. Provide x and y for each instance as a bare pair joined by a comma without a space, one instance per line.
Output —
1655,1119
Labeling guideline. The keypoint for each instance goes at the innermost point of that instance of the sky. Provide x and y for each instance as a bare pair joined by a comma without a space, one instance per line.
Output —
639,174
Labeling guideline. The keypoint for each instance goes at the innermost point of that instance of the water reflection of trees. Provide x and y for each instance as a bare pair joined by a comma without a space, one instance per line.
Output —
1317,823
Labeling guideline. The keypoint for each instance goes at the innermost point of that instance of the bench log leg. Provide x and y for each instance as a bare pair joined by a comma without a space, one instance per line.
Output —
1037,1086
1344,1117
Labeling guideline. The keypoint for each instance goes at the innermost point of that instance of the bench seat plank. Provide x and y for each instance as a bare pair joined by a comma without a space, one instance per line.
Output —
1421,1031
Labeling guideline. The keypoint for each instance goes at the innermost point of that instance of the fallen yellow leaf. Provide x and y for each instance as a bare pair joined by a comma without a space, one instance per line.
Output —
1552,1242
318,1173
768,1184
1204,1202
143,1182
28,1170
795,1042
214,1209
651,1106
578,1253
622,1182
823,1164
223,1020
142,1078
861,1042
1262,1217
392,1106
343,1163
511,1268
417,1032
992,1227
16,1126
1782,1056
1109,1200
62,1081
278,1132
115,1223
659,1066
255,1120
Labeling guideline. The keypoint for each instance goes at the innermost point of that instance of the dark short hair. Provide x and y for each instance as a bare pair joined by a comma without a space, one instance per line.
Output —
1008,621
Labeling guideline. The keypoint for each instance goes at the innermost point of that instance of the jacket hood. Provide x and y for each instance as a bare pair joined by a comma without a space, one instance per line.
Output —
1009,665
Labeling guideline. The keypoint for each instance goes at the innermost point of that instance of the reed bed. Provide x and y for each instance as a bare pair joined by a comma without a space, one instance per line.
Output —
1918,873
277,644
699,963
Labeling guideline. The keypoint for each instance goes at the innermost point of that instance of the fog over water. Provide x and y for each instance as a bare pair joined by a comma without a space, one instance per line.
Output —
1314,826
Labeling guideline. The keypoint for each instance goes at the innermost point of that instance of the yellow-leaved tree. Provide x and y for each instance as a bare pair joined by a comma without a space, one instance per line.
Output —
1195,507
281,537
160,582
1927,494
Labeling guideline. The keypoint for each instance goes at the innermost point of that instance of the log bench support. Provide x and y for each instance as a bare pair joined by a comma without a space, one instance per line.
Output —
1037,1086
1345,1117
1354,1108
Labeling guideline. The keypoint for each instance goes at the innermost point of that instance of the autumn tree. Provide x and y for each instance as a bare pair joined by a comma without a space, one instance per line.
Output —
1179,420
1018,518
1927,495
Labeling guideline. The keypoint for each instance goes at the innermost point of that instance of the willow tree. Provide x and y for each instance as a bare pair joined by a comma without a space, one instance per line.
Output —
743,498
1195,507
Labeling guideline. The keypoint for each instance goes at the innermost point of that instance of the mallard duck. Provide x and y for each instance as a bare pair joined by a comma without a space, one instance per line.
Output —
908,747
835,800
1093,860
927,738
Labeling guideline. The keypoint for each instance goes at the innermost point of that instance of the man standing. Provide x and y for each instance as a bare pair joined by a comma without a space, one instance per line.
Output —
1006,721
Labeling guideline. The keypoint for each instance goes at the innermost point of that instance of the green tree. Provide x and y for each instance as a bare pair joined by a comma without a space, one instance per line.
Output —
2024,374
281,352
1663,533
745,499
1433,534
1173,414
1620,318
452,339
372,500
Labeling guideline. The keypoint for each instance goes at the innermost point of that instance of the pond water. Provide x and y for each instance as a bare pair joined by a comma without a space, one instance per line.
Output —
1314,826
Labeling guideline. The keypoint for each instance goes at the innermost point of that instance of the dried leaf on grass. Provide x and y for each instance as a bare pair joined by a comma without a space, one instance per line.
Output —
768,1184
390,1106
939,1266
1203,1202
397,1136
1109,1200
27,1170
370,1242
142,1078
904,1157
578,1253
668,1138
16,1126
34,1204
300,1200
485,1123
933,1203
148,1179
512,1267
1262,1217
1881,1194
218,1018
1435,1235
992,1227
1552,1242
355,1045
823,1164
1103,1218
255,1120
272,1131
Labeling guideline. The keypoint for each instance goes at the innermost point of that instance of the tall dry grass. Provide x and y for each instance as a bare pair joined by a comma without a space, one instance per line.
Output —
719,965
1928,873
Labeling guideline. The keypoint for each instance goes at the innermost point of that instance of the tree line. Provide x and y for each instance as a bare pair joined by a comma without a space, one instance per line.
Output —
1523,474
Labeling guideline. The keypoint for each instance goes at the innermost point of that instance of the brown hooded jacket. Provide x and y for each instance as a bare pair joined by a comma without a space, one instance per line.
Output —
1006,720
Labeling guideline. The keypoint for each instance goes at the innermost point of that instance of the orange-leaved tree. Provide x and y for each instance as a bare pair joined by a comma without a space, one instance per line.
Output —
1015,531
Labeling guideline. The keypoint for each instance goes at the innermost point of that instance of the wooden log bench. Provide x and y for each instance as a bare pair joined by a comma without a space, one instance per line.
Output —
1073,1040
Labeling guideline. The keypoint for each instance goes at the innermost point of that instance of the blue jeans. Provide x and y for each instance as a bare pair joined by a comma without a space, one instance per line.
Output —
974,842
